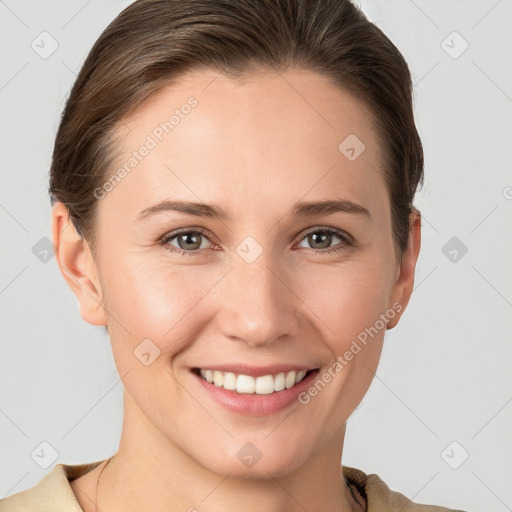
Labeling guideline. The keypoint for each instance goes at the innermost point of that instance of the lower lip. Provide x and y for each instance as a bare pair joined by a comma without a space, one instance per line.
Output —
252,404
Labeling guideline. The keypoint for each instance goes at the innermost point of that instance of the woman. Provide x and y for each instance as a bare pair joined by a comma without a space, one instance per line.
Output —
205,149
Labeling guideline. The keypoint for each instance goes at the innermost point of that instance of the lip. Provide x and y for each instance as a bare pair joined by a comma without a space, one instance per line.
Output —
256,371
252,404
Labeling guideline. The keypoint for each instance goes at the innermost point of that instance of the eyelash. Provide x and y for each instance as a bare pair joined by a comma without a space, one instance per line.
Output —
346,240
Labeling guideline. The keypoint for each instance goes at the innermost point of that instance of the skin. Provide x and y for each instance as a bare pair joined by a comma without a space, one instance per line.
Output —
254,147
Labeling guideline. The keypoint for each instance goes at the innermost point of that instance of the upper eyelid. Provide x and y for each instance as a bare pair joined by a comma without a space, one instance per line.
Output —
325,228
173,234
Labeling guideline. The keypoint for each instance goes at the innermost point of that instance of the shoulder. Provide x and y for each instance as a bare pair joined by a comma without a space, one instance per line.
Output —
52,493
380,498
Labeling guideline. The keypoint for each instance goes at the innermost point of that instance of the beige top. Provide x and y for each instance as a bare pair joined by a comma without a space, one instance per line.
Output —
53,493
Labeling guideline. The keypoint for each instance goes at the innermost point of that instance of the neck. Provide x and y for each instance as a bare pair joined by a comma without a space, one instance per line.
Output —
149,469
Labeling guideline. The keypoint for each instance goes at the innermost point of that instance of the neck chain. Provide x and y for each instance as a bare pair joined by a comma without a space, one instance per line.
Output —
103,468
349,487
98,482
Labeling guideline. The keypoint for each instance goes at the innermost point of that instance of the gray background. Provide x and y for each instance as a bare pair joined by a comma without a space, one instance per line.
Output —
444,378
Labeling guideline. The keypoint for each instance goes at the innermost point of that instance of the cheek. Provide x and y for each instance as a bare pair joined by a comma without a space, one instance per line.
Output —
347,299
154,300
347,303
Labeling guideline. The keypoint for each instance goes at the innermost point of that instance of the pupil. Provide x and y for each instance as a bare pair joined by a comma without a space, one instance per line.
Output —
324,236
186,239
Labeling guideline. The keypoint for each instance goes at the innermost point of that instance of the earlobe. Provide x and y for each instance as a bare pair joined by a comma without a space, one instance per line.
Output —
405,283
77,265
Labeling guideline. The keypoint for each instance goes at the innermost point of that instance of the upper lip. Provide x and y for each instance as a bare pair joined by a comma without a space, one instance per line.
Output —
256,371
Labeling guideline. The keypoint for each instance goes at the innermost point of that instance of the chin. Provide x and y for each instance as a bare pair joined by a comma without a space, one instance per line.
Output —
258,460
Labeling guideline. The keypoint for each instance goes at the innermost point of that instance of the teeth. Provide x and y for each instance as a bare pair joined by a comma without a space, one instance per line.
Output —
229,381
300,376
245,384
264,385
280,381
218,378
290,379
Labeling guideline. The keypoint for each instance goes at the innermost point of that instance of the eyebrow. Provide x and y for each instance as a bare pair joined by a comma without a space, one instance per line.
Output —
304,209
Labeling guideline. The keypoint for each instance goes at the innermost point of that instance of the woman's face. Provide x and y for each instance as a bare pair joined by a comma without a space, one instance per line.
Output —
261,289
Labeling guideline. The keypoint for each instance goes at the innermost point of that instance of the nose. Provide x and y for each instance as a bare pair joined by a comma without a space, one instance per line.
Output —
257,304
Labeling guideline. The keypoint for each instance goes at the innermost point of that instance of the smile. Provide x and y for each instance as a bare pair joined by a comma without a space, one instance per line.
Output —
262,385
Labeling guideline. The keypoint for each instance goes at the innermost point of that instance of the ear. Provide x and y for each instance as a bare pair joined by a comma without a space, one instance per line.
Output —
77,265
404,284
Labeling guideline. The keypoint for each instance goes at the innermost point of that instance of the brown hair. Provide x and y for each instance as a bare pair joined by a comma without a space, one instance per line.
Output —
150,43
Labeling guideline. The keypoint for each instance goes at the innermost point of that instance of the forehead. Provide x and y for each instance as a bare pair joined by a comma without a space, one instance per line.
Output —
211,137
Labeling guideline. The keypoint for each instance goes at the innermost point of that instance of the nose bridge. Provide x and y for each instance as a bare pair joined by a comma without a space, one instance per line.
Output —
257,305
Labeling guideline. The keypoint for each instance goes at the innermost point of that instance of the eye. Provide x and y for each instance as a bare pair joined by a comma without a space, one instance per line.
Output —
190,242
321,239
187,242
